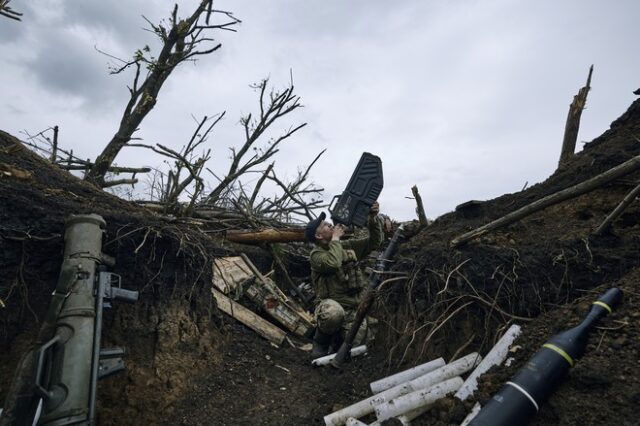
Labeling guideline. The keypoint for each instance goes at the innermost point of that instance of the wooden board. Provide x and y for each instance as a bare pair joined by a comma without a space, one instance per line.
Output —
229,272
230,275
248,318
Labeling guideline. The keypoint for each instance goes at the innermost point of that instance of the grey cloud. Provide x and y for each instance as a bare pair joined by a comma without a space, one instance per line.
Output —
335,19
67,65
123,20
11,31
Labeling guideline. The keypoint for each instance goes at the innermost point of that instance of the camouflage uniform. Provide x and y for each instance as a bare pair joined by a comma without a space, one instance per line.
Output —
338,278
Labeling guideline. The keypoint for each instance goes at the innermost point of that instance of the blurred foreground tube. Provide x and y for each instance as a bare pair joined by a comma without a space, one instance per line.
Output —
519,400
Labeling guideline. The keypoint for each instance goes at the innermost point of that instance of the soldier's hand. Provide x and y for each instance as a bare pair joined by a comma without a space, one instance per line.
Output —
375,209
350,256
338,231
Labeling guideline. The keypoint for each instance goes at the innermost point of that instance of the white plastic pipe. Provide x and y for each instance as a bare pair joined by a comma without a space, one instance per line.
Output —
406,375
472,414
406,419
354,422
418,399
364,407
324,360
495,357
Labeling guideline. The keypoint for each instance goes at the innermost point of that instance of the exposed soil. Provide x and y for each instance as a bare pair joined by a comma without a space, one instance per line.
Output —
188,364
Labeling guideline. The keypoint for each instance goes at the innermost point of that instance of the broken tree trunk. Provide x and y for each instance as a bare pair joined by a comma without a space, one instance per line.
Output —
573,122
574,191
268,235
630,197
422,217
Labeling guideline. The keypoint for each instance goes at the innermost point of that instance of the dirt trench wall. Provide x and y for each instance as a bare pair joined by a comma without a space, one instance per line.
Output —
168,345
170,334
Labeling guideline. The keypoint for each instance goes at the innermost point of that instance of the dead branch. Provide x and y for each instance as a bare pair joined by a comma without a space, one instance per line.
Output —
295,194
422,217
112,183
568,193
256,189
181,40
7,12
54,150
113,169
278,105
51,150
185,159
573,122
628,199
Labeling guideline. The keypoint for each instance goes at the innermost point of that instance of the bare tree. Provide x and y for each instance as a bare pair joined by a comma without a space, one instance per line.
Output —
182,40
186,160
297,200
6,11
294,201
273,106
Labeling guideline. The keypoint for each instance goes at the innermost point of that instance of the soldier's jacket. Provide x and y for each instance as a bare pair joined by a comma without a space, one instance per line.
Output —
334,269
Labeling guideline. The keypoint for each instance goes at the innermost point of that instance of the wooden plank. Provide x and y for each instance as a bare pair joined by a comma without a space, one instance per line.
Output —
248,318
228,272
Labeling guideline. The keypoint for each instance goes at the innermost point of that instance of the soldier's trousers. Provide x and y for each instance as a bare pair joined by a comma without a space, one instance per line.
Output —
332,318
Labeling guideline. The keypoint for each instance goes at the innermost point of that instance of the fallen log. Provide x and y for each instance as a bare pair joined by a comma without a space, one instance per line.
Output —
267,235
589,185
631,196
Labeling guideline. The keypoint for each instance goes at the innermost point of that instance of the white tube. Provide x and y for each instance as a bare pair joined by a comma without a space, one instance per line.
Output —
354,422
472,414
414,400
364,407
324,360
406,375
405,419
495,357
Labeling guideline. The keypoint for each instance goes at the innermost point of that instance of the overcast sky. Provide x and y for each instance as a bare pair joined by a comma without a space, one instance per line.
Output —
465,98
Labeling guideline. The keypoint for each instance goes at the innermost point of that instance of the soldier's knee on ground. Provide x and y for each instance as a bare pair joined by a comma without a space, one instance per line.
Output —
366,333
329,316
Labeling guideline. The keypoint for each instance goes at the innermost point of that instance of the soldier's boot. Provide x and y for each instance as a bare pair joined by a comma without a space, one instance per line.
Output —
321,342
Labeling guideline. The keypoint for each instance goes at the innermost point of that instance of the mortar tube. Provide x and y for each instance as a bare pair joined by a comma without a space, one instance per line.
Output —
366,406
418,399
496,356
406,375
354,422
324,360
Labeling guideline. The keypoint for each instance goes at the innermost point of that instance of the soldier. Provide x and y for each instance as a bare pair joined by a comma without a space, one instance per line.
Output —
338,278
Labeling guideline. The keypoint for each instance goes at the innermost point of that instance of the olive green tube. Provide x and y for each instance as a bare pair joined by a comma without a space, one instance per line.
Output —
69,387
